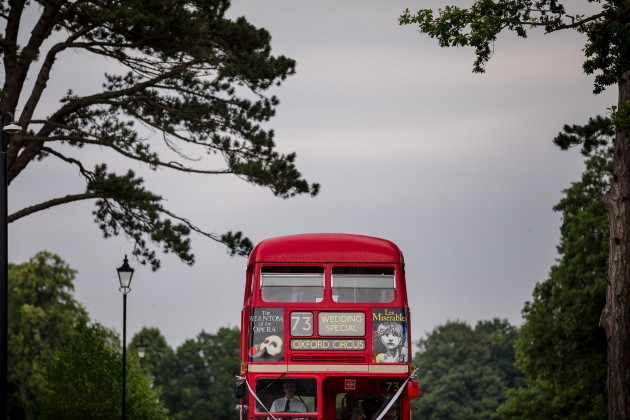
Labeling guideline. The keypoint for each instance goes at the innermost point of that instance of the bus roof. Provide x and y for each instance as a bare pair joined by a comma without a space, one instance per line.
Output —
326,248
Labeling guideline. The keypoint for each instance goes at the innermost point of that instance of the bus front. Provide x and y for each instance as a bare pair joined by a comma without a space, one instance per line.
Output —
325,330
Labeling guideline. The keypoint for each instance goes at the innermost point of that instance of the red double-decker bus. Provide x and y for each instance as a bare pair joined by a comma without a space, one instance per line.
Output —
325,330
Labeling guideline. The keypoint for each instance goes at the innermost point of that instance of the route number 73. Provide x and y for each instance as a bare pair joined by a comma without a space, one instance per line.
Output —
390,386
302,323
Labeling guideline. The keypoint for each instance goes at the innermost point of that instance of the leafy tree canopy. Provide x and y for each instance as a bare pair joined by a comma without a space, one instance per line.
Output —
61,365
463,371
191,81
607,51
42,316
157,349
85,381
199,378
561,348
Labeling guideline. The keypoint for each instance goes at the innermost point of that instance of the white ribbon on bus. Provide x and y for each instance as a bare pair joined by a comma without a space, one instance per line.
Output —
244,379
395,397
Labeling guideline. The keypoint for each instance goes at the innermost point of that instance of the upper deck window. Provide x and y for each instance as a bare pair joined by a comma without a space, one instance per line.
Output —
363,284
292,284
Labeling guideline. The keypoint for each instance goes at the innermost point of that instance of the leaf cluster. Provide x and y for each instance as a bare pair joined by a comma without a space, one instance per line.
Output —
594,135
607,51
85,381
125,205
198,377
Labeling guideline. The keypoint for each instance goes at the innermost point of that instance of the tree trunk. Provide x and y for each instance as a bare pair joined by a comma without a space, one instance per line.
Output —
615,317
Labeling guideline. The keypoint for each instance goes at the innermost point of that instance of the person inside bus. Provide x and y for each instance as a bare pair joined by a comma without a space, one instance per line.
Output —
297,294
350,409
288,402
270,294
392,413
370,407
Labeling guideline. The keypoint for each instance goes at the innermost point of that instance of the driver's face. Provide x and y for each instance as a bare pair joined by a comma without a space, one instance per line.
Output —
289,389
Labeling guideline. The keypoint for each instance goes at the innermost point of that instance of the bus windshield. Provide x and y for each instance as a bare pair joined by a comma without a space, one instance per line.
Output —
287,396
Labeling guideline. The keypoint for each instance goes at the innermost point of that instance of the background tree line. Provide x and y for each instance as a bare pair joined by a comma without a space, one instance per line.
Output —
553,366
62,365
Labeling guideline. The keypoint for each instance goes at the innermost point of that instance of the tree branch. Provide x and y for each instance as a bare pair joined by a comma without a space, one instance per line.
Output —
29,153
171,165
48,204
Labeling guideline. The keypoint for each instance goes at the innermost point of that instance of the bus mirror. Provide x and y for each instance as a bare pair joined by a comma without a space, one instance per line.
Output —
413,389
239,391
239,388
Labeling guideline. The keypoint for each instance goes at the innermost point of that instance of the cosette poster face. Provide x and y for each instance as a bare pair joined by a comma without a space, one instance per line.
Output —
389,335
266,327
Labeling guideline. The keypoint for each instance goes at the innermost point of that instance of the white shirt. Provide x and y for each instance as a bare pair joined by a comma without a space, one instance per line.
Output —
295,405
297,297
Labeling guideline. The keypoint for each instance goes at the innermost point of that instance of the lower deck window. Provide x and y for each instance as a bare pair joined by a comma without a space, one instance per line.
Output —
357,406
295,395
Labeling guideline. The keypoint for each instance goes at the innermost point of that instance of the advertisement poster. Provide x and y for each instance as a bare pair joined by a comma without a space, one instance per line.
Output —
266,326
389,335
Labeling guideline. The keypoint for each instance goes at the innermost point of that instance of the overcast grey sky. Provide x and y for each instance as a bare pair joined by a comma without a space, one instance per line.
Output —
458,169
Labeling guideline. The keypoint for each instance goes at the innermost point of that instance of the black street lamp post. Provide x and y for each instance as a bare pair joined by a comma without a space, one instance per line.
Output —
125,273
4,237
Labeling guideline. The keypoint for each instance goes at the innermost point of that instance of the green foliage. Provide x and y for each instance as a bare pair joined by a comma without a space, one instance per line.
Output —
126,206
607,52
464,371
199,378
60,366
157,351
85,381
561,348
592,136
620,117
42,317
188,73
